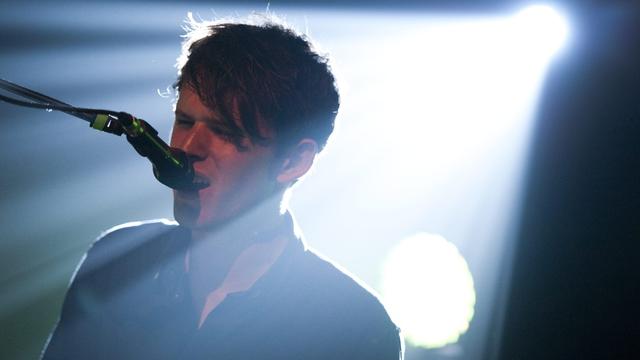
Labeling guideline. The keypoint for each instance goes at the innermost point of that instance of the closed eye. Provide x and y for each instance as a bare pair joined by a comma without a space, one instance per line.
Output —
222,131
183,122
220,128
230,135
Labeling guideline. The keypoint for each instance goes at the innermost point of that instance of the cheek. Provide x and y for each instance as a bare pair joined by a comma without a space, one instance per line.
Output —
176,137
234,192
247,178
243,180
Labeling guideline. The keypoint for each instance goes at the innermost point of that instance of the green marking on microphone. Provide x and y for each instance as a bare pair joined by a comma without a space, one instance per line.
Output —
100,121
165,151
137,128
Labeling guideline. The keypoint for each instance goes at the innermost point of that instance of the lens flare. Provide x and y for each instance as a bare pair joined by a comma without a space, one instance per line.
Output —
429,290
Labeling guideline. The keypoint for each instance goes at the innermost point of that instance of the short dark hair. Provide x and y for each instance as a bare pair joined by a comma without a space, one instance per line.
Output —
268,72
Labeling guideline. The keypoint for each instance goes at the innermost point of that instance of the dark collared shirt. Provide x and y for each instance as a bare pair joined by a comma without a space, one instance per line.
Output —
130,300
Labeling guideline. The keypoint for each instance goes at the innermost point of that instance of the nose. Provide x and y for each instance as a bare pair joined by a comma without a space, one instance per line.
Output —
194,141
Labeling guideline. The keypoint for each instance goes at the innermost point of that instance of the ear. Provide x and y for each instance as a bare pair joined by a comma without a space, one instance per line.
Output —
297,161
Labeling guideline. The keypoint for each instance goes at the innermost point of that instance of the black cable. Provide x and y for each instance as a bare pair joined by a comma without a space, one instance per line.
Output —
49,102
28,93
71,109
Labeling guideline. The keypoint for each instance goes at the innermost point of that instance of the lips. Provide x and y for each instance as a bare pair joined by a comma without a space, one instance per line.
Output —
200,181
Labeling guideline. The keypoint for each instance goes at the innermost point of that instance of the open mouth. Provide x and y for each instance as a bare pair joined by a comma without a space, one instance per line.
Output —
200,182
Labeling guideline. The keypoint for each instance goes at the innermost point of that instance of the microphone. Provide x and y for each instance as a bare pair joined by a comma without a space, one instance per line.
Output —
171,166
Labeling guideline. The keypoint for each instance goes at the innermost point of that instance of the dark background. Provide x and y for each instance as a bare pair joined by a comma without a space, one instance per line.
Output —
574,291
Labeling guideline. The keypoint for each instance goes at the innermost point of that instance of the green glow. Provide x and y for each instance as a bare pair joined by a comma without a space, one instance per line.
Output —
137,128
100,121
429,291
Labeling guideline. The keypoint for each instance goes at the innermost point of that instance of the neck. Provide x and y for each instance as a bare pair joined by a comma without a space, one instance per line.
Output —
252,225
213,251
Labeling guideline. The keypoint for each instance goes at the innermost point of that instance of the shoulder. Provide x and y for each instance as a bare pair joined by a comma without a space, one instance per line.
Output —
134,243
338,284
146,229
320,274
338,300
98,299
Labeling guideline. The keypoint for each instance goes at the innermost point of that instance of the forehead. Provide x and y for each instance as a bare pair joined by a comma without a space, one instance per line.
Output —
189,103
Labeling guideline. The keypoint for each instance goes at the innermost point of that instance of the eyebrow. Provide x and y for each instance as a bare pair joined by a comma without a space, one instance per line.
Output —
183,115
209,120
217,124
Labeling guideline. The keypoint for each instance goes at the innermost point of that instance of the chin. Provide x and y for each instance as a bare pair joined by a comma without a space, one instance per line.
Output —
184,221
186,216
196,221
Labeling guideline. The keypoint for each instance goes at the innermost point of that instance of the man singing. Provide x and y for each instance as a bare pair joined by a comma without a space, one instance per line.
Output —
232,279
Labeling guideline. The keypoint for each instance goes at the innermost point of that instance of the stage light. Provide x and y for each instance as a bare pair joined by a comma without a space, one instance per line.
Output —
541,29
429,290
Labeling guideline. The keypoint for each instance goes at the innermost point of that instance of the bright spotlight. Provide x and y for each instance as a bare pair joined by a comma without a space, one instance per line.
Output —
429,290
542,29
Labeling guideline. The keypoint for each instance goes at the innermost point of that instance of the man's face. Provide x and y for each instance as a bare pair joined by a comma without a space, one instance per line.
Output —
238,179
